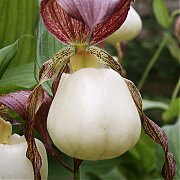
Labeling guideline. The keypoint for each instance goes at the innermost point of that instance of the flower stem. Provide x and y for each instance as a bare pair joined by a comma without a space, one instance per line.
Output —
77,163
176,90
152,62
119,52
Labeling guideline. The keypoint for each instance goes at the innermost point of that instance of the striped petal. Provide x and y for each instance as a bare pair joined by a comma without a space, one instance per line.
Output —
67,29
91,12
82,29
113,23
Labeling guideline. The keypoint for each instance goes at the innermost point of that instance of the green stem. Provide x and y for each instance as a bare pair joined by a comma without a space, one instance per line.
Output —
77,175
77,163
152,62
176,90
119,52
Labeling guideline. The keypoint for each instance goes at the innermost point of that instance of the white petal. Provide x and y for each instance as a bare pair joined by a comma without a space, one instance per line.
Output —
13,161
93,115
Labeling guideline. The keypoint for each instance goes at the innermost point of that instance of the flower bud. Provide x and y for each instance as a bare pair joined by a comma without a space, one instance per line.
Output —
93,115
13,161
129,30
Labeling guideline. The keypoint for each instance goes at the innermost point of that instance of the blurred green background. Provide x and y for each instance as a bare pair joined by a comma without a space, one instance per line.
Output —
25,44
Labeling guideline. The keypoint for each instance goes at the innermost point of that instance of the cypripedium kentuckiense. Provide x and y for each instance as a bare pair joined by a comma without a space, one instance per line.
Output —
95,113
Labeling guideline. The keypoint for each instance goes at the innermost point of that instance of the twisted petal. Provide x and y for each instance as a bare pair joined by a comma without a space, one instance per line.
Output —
87,28
155,133
91,12
38,107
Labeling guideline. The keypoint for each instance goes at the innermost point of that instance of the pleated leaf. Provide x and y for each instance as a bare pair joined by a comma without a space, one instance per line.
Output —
18,17
18,78
6,55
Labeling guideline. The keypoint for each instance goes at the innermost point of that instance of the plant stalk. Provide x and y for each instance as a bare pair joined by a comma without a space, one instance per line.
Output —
176,90
77,163
119,52
152,62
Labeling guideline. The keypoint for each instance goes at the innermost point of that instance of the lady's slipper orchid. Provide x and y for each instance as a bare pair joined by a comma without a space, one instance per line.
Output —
13,161
93,115
129,29
71,25
95,98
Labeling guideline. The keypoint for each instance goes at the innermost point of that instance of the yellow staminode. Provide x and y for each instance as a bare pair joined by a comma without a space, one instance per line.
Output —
5,131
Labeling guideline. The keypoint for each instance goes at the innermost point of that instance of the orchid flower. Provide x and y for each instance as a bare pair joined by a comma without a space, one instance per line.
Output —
13,161
81,24
78,23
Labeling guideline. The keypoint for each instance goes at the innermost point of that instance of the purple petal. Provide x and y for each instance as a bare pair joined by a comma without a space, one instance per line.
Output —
70,31
113,23
67,29
17,102
91,12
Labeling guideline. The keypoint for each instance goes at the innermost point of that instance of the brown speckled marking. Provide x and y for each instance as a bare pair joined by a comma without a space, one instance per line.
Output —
105,58
51,68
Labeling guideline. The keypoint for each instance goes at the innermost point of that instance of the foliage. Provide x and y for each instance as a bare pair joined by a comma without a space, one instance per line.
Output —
18,19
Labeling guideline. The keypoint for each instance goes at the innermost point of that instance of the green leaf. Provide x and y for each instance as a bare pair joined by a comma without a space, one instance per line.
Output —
98,169
161,13
6,55
92,176
172,111
56,171
112,174
172,132
139,163
148,104
18,78
47,46
18,17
